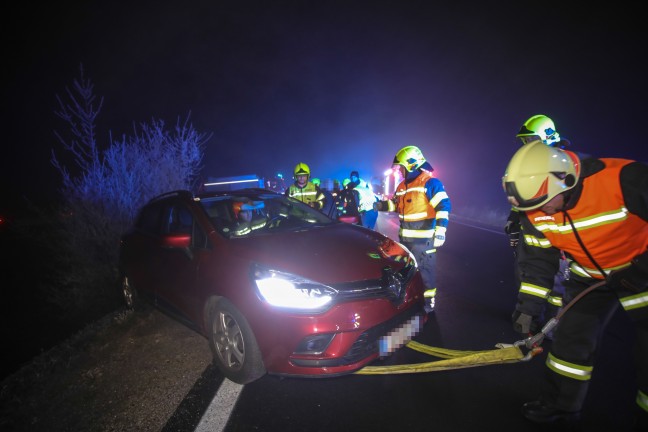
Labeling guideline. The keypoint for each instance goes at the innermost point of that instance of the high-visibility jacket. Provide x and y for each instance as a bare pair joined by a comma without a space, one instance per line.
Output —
608,210
367,197
310,193
422,205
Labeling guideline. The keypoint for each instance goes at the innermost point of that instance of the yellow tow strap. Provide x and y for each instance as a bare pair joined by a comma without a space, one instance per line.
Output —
454,360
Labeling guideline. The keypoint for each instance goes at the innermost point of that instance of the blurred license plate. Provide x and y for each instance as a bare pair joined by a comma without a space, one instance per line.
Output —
399,336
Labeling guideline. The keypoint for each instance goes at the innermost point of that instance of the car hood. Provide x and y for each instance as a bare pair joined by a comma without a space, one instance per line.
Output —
328,254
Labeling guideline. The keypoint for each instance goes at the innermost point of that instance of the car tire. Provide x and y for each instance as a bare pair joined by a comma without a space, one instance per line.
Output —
131,297
233,344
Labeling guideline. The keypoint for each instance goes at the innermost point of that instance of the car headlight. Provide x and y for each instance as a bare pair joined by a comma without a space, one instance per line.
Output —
287,290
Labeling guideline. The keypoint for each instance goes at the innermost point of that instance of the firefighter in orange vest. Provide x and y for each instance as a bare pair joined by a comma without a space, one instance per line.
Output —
304,190
596,211
423,207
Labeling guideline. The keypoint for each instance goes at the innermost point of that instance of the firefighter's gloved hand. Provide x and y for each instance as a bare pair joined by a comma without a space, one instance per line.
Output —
378,206
439,236
513,231
522,322
633,277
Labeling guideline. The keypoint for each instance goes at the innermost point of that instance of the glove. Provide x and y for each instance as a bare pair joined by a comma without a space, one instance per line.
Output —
439,236
513,231
633,278
522,322
377,206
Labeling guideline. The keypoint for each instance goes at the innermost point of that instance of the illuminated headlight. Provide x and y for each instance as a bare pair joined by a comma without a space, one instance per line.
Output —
286,290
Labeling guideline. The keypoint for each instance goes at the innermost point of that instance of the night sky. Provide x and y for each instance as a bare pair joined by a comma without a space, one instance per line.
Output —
337,85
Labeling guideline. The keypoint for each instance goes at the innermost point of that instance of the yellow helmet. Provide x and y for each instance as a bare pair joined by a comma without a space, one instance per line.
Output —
539,127
301,169
316,181
409,157
537,173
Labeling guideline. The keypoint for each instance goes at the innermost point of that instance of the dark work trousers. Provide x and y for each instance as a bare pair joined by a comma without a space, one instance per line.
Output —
578,334
425,256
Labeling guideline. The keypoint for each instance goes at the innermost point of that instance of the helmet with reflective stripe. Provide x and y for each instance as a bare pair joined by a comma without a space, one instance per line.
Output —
301,169
537,173
409,157
539,127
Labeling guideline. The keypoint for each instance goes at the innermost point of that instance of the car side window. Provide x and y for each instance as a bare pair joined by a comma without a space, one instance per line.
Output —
149,220
178,220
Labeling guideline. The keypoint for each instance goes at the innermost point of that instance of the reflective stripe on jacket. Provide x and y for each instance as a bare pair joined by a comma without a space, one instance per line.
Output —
310,193
421,204
611,234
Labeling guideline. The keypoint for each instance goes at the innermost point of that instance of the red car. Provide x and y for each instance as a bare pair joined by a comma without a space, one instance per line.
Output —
274,285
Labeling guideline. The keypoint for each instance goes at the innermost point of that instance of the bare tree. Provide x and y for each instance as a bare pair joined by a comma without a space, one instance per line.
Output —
103,189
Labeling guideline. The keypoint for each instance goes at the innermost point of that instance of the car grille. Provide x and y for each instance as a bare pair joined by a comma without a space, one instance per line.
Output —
367,342
392,285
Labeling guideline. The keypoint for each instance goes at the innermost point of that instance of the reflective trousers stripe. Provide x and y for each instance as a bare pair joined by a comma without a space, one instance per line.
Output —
569,370
635,301
642,400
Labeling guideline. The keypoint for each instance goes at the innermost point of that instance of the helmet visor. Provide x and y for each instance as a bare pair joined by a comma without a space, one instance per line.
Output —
529,138
520,203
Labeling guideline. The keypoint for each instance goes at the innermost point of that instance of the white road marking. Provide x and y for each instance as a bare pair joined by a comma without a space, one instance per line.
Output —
220,408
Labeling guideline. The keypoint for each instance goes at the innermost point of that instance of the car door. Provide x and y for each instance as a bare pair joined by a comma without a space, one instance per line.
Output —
177,290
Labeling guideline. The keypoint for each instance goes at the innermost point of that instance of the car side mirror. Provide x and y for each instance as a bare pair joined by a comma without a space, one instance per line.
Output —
178,241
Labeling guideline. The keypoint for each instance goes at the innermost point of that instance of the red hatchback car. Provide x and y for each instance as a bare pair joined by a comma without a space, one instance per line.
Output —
274,285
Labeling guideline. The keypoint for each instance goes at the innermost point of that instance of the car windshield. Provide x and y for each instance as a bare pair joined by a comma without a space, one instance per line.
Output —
244,214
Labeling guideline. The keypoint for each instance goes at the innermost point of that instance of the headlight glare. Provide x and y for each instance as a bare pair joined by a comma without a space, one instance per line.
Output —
286,290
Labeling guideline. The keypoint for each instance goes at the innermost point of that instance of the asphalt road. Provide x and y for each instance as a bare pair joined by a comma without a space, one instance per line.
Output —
474,304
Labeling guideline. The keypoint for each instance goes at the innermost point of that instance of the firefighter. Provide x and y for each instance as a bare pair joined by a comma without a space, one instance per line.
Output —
542,128
368,214
347,204
423,208
596,211
304,190
244,214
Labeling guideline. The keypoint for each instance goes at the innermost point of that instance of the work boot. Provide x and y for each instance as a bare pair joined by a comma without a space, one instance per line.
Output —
541,411
429,305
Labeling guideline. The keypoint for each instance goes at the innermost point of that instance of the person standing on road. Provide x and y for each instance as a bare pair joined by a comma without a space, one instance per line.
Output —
368,214
347,206
304,190
596,211
536,128
423,208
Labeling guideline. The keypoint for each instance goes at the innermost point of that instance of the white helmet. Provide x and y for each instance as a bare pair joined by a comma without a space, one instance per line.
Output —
537,173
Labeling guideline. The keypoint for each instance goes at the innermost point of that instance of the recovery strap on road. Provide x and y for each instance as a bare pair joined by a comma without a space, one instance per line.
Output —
454,359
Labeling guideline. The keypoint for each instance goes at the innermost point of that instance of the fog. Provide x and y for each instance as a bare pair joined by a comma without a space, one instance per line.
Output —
340,86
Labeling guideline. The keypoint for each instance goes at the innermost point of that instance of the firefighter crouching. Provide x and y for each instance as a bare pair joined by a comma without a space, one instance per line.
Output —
596,211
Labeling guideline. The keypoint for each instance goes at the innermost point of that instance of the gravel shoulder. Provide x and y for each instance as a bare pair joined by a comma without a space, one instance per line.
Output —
127,372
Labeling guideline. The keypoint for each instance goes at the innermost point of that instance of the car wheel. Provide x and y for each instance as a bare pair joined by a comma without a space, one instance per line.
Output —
233,344
130,294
